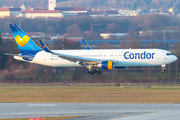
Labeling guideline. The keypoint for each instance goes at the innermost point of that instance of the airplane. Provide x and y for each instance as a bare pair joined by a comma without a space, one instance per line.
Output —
93,59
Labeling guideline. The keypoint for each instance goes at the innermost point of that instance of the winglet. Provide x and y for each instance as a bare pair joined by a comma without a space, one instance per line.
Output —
45,48
86,45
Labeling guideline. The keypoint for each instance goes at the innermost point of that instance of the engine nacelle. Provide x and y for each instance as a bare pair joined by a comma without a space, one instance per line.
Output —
106,65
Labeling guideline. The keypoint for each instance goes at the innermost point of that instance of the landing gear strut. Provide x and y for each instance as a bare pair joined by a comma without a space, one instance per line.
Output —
163,68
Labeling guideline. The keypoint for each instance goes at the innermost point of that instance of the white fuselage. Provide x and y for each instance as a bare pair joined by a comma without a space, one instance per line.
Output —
123,57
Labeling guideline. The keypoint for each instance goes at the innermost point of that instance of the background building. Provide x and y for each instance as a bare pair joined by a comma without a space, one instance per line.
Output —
124,12
71,11
6,12
112,13
96,14
51,4
41,13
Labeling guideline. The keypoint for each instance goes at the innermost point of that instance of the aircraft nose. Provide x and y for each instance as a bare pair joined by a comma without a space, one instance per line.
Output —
174,58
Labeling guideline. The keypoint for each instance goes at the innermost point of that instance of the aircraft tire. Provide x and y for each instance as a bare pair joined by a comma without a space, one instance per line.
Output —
91,72
87,71
163,71
94,71
98,72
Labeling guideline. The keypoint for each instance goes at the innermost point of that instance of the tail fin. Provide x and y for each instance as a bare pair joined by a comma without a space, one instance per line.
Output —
86,45
24,43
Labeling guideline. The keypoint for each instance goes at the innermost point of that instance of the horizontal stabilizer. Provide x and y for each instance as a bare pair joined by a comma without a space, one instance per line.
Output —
24,56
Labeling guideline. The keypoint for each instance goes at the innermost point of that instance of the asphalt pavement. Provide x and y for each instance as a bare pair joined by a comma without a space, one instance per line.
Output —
92,111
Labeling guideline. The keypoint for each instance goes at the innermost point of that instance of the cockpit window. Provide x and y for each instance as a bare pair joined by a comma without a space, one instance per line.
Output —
169,54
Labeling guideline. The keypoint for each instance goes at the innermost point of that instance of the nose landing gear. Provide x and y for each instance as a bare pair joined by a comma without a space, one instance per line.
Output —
163,68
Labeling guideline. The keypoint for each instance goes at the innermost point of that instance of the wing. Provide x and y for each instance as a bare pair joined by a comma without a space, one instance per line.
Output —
80,60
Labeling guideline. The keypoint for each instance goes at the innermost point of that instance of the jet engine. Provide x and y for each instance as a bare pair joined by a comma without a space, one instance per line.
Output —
106,65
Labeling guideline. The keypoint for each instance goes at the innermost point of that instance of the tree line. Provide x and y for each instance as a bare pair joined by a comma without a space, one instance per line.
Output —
76,26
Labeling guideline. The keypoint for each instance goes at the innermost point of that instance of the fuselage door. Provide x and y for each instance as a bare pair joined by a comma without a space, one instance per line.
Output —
45,56
157,55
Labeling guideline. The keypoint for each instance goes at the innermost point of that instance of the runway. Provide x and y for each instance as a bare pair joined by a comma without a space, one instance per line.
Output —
92,111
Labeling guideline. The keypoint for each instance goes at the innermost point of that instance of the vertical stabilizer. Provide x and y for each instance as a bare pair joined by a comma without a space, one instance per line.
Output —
24,42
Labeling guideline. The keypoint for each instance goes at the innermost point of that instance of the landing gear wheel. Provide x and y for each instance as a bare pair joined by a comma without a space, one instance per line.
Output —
163,71
87,71
95,71
91,72
98,72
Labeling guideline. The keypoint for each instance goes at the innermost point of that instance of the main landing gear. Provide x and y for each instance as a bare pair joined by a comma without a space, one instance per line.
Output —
163,68
91,72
